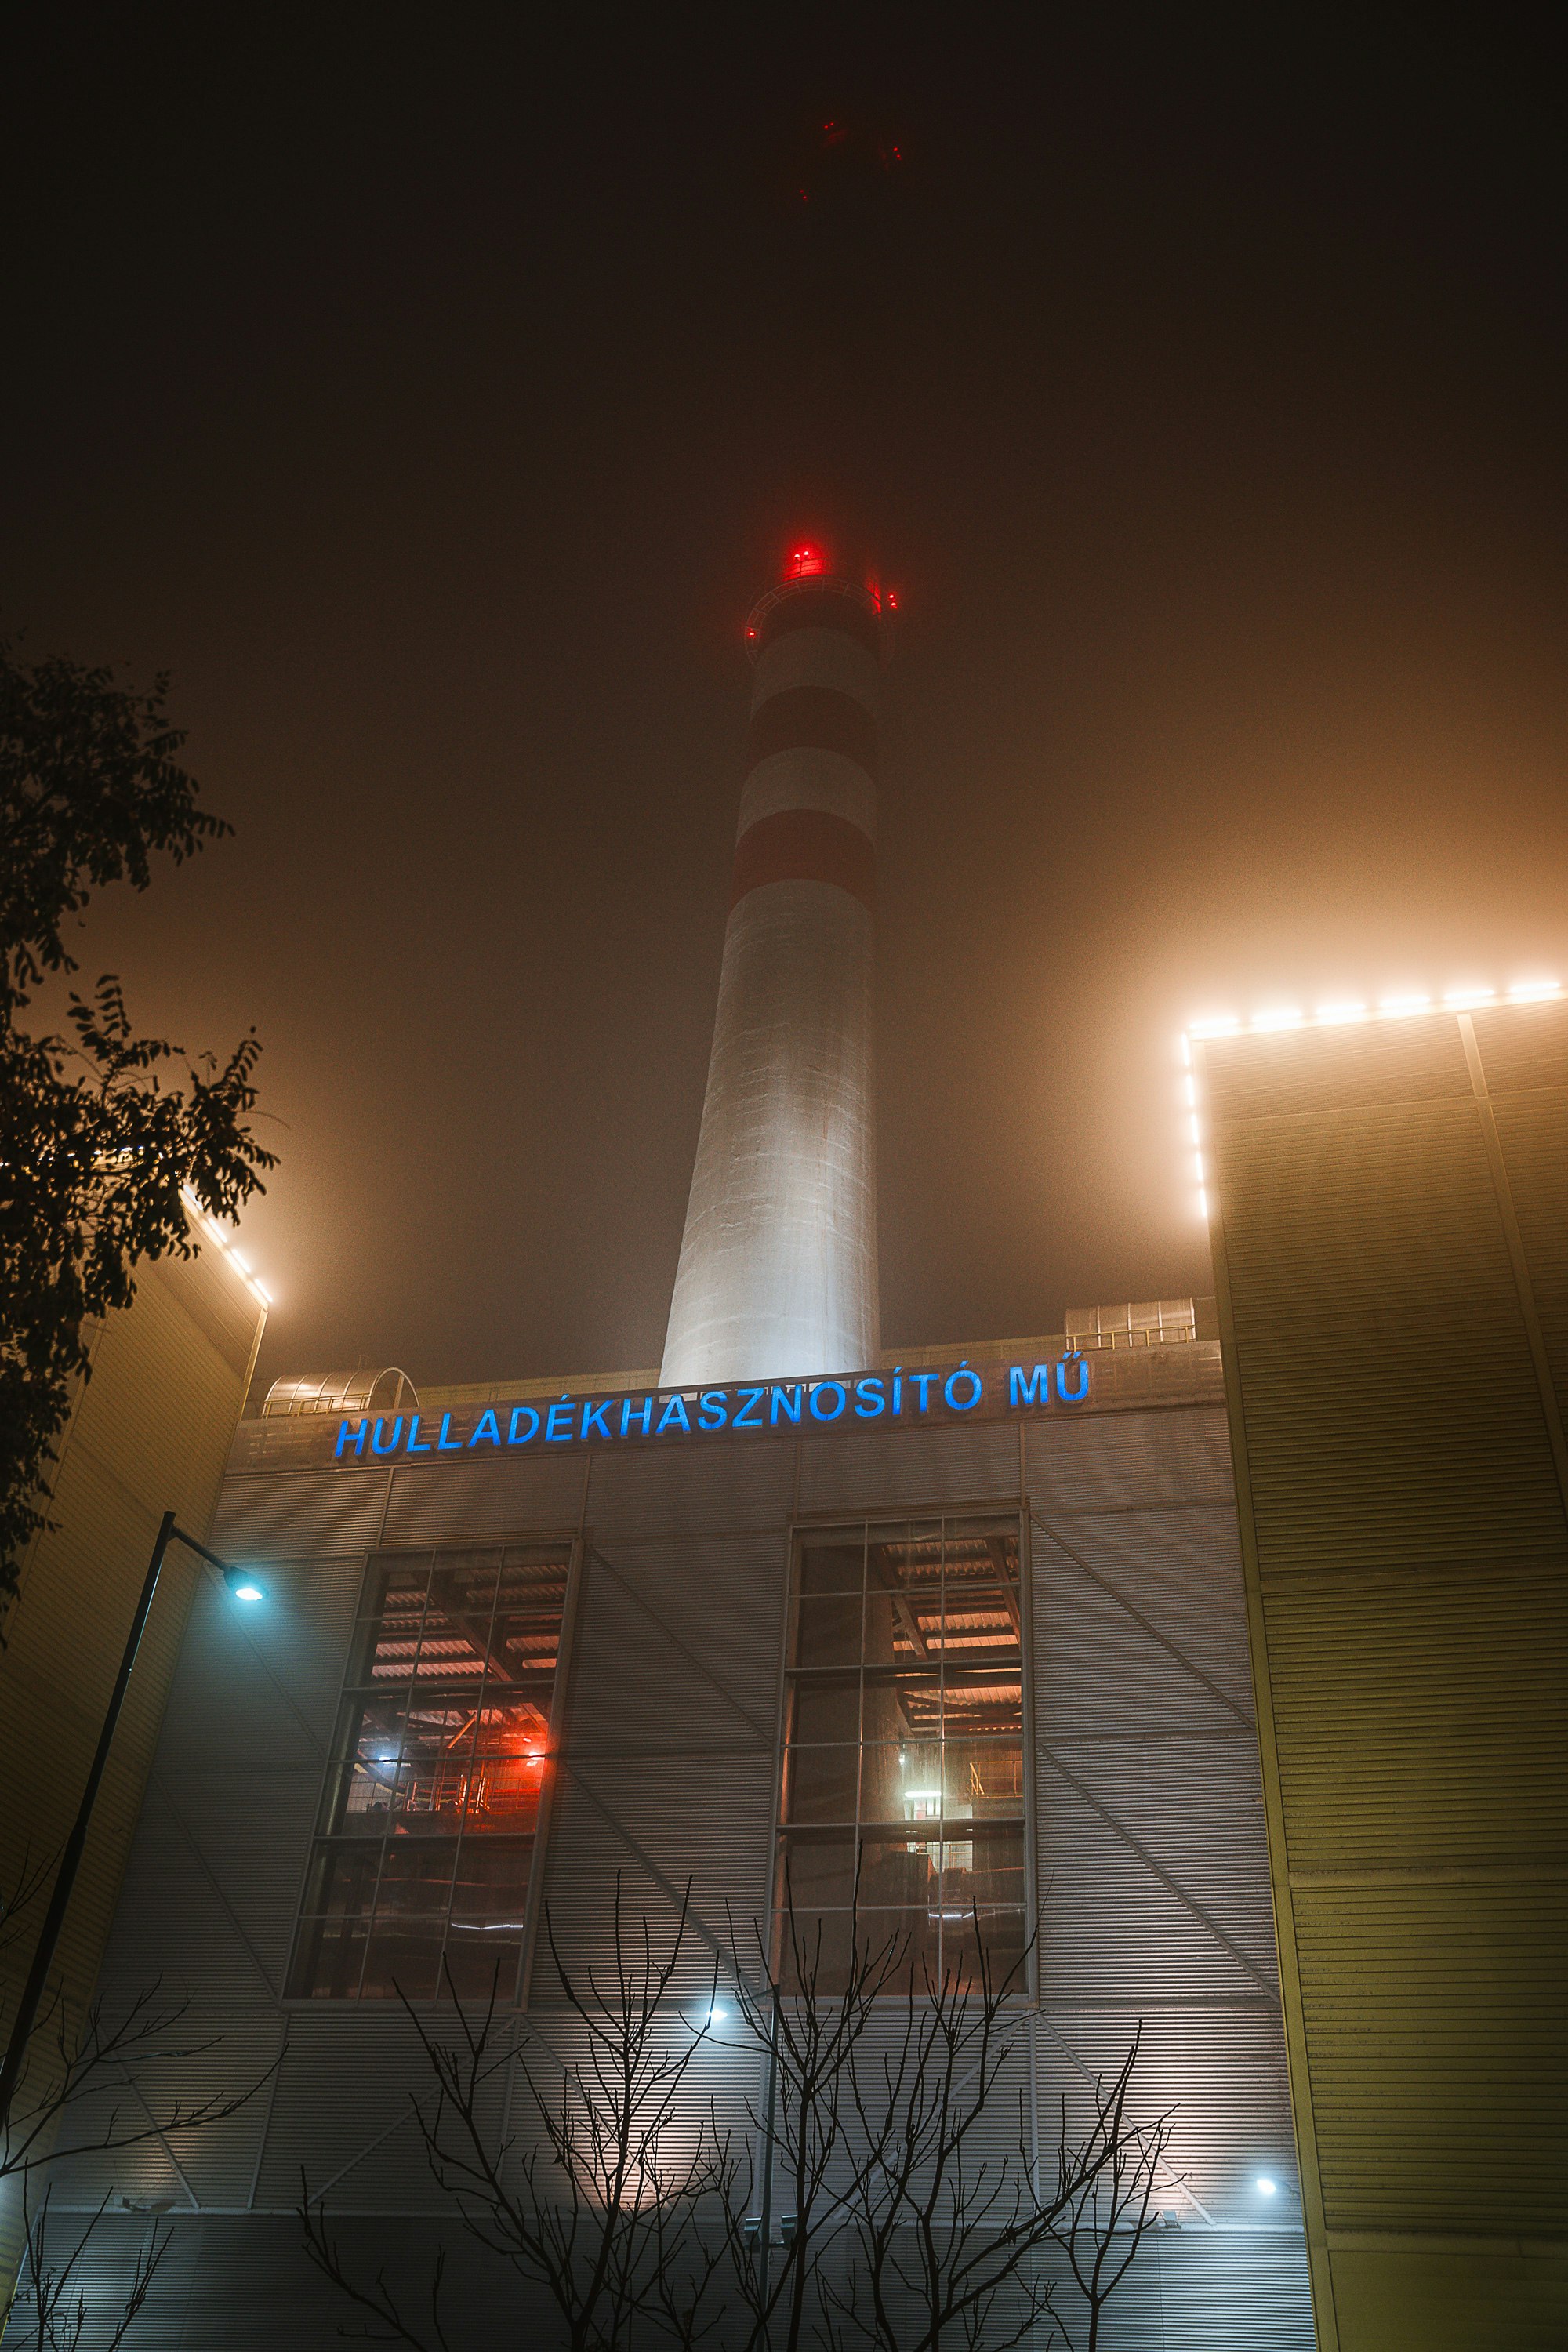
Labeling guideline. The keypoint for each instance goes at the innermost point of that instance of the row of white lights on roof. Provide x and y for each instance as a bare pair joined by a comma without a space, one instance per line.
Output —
215,1233
1328,1016
1391,1008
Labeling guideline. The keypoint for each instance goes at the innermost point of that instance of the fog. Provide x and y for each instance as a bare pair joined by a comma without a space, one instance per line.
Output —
433,410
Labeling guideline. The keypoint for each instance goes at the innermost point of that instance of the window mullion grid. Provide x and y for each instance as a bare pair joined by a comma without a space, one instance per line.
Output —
399,1764
476,1744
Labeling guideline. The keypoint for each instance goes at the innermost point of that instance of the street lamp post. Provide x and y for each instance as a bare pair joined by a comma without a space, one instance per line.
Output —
245,1589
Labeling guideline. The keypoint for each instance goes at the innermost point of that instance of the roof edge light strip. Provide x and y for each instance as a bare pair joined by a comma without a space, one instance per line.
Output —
1274,1019
215,1233
1390,1008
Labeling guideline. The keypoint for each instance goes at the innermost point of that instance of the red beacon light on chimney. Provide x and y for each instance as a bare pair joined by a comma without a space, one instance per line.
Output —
806,561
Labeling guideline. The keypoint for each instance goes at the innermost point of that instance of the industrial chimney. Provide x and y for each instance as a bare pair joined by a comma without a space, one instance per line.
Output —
778,1262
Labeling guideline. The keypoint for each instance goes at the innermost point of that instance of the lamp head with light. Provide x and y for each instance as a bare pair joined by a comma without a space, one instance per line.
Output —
242,1586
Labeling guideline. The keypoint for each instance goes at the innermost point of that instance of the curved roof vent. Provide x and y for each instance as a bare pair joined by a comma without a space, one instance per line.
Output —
388,1390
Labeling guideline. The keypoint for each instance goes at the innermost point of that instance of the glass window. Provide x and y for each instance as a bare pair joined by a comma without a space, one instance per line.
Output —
903,1811
438,1770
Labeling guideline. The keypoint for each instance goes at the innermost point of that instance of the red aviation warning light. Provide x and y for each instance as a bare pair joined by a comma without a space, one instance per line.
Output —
806,561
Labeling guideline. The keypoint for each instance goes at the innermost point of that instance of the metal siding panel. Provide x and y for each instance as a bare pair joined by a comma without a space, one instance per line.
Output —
671,1715
1411,2042
210,2052
1390,1215
344,2112
148,1433
1217,2073
1134,1867
1184,1665
1151,1853
1113,1461
1429,1720
729,1486
299,1514
918,1469
676,1646
519,1495
245,2284
651,1819
1407,1550
1534,1132
231,1885
277,1672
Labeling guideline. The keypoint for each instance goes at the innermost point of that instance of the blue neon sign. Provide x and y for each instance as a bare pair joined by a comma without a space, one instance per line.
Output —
758,1407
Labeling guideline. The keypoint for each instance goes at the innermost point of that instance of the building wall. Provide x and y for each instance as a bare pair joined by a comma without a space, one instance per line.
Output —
1390,1235
1146,1800
151,1432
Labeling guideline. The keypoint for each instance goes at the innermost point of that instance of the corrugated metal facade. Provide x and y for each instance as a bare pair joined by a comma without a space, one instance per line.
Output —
1147,1818
151,1432
1391,1228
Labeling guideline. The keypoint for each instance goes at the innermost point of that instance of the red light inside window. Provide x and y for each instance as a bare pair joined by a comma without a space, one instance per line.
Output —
805,561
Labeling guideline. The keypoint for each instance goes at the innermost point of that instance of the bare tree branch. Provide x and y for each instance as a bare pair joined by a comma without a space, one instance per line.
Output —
598,2217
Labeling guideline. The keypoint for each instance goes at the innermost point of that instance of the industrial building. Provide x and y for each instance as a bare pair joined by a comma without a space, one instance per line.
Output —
998,1653
1386,1186
941,1643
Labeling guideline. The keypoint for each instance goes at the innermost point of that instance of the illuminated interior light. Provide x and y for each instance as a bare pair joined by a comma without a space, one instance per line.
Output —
1186,1051
1189,1087
1341,1013
1459,997
1285,1016
1266,2187
1202,1203
1225,1025
261,1291
1198,1165
1196,1129
1530,991
243,1263
1394,1005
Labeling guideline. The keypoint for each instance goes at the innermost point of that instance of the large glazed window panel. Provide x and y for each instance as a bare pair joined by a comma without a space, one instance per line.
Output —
903,1800
421,1866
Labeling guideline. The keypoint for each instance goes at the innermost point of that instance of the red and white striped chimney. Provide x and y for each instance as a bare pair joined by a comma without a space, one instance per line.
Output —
778,1263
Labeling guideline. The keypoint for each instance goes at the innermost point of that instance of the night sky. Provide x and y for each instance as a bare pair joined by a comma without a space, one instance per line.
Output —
432,396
